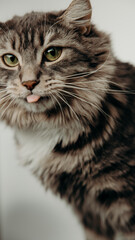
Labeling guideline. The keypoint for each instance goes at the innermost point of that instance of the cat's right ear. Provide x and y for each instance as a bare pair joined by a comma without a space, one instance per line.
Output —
78,15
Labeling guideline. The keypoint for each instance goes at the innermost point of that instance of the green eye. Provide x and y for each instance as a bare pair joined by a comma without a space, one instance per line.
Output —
10,60
53,53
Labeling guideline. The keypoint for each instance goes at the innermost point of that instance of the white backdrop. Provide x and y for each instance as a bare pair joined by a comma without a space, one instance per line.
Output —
27,212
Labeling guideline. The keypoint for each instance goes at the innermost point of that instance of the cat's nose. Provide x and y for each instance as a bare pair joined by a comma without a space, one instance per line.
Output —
30,84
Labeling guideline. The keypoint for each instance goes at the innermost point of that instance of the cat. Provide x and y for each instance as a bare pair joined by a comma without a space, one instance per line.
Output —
71,104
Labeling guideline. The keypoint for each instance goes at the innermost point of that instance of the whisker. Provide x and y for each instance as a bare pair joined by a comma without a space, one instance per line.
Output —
83,74
59,104
7,107
4,97
61,97
2,91
85,100
81,88
113,91
4,102
3,105
108,90
100,80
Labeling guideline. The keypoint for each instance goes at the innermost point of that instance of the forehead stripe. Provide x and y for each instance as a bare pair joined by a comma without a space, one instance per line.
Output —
41,38
13,44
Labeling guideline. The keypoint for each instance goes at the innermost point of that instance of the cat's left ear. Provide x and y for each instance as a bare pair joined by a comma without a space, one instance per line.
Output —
78,15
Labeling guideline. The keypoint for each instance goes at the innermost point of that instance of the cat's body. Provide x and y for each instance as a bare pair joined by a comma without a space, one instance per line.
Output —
73,114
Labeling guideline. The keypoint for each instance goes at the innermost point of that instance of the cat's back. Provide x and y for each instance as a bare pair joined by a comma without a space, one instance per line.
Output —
125,73
118,153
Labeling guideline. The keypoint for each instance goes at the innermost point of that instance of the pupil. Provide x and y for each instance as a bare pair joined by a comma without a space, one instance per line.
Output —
52,52
12,58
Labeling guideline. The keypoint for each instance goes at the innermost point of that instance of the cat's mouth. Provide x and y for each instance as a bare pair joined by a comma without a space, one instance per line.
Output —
32,98
37,103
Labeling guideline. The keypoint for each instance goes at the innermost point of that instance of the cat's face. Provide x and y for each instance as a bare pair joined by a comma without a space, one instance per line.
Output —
35,60
45,60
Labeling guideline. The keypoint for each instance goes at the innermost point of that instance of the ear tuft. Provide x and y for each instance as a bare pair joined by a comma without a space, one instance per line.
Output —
78,15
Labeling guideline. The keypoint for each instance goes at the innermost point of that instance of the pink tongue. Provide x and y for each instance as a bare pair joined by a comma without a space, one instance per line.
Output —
32,98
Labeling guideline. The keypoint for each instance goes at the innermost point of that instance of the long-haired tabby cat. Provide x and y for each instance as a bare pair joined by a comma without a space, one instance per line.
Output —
71,104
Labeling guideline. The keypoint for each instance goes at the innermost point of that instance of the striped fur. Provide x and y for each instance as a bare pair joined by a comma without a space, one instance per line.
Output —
79,138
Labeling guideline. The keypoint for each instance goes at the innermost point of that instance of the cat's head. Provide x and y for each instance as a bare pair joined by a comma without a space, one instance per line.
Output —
52,66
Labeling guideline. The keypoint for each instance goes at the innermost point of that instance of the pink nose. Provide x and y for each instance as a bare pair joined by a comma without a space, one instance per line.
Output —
30,84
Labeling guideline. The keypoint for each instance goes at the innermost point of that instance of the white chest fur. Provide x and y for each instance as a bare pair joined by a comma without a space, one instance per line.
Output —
35,146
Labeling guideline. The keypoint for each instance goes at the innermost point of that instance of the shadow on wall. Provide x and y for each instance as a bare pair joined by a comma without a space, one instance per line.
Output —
27,221
32,222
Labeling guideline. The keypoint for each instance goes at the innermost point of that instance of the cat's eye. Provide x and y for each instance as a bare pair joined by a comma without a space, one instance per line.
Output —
53,53
10,60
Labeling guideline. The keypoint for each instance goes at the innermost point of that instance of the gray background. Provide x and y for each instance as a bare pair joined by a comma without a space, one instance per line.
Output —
28,212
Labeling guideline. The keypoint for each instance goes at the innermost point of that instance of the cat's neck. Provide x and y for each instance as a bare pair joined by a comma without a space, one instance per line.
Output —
37,145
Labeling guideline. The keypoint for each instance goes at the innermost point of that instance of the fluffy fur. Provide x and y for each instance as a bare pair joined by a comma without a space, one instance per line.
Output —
79,138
